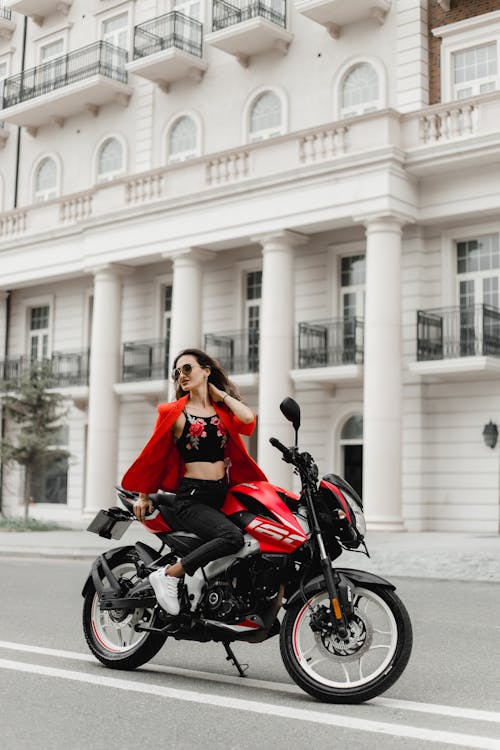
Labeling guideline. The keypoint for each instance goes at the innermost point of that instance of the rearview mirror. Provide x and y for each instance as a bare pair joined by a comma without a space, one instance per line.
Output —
291,410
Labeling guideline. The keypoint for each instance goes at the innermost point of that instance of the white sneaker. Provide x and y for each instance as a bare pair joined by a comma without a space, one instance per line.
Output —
166,590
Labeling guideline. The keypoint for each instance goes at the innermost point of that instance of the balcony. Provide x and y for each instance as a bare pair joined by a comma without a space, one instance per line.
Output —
237,351
334,14
168,49
39,9
7,25
458,341
145,360
250,28
84,79
66,369
330,351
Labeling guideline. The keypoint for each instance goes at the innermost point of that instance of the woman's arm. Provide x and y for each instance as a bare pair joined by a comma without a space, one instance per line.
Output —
236,407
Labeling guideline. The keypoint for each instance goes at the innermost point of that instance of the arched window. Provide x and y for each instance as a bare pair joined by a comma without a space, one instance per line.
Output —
353,429
182,140
266,117
45,186
351,442
110,161
360,91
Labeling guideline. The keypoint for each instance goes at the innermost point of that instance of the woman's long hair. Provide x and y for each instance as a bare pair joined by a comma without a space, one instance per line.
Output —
218,376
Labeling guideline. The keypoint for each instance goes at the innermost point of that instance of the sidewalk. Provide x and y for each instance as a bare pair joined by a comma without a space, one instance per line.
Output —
472,557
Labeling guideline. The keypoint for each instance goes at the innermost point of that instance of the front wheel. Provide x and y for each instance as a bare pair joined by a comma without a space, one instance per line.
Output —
356,668
111,634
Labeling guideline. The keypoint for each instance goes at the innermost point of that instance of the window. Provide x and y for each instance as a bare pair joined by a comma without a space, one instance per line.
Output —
45,186
360,91
266,117
39,333
51,50
189,8
52,67
478,264
474,71
115,31
110,161
252,317
469,56
182,140
478,274
352,295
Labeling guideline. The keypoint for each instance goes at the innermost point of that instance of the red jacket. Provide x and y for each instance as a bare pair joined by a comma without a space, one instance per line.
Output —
160,465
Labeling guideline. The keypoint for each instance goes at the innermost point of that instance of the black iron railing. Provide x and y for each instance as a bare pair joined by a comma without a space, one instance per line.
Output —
145,360
100,58
330,342
226,14
167,31
63,368
237,351
450,332
5,13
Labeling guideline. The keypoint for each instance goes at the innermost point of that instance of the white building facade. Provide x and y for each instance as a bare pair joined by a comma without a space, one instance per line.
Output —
307,189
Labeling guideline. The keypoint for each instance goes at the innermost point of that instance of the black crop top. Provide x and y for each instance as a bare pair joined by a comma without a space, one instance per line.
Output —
202,439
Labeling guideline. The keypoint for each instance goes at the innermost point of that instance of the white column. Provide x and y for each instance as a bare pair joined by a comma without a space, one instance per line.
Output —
277,334
185,330
105,349
382,375
3,322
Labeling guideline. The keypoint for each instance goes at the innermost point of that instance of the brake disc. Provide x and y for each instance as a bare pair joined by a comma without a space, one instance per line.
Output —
351,648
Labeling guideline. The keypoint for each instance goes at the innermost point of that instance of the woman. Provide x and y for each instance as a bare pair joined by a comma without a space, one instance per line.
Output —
196,451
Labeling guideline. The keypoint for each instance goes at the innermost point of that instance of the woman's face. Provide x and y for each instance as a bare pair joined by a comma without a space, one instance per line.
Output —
193,379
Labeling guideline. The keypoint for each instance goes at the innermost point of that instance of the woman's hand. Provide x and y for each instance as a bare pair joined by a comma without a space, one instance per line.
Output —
216,394
142,507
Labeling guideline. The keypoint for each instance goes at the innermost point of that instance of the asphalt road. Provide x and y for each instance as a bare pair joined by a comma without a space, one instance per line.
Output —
54,695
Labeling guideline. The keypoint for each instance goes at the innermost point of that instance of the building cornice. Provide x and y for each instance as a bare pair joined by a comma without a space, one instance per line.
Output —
485,20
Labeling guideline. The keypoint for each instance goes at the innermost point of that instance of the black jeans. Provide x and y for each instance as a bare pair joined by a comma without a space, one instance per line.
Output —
196,508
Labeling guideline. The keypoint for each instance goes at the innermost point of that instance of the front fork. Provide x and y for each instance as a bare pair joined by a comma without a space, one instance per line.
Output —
338,592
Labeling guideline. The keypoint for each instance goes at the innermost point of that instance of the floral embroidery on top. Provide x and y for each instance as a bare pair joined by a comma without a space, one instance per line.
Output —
195,432
221,431
198,429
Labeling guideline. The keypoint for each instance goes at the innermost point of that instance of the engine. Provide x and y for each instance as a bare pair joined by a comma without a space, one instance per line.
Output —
249,587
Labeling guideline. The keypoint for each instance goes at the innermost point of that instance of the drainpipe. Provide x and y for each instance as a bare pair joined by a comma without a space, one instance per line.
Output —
18,146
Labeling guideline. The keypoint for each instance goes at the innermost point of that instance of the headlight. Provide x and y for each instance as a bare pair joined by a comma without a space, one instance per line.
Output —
358,514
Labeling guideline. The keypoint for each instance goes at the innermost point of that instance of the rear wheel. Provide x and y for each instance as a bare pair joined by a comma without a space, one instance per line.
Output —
111,634
356,668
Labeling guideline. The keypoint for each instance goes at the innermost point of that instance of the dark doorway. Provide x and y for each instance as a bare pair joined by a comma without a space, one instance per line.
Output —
353,467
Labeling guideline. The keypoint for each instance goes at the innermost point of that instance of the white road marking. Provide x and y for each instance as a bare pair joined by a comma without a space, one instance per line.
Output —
460,712
295,714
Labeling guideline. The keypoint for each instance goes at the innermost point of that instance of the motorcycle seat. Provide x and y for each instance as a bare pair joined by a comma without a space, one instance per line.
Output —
163,499
183,542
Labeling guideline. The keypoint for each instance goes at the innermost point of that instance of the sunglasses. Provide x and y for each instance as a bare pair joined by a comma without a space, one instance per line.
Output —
185,370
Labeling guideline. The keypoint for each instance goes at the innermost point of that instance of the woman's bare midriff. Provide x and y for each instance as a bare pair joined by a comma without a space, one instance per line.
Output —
205,470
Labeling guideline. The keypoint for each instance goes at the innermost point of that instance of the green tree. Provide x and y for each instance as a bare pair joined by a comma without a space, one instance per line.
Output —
37,410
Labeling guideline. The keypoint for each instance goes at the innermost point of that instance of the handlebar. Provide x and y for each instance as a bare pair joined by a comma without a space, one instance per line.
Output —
303,462
277,444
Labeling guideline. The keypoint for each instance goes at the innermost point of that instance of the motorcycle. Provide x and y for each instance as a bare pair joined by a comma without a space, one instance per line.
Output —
345,636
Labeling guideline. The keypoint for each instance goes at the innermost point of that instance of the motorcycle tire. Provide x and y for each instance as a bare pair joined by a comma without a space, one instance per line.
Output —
355,669
110,634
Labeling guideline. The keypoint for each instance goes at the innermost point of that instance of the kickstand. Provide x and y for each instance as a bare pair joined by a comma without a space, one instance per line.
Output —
242,668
